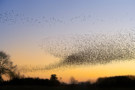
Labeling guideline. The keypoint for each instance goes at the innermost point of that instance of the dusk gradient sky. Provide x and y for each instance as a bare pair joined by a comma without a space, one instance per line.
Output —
25,24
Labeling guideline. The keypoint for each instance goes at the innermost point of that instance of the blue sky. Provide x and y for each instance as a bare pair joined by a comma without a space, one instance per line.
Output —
24,23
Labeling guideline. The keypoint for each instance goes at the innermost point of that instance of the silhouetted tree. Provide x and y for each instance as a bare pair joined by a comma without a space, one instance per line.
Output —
6,66
54,80
73,81
116,81
53,77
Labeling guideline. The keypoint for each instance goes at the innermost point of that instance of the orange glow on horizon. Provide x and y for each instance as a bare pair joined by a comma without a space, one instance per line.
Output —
84,73
38,58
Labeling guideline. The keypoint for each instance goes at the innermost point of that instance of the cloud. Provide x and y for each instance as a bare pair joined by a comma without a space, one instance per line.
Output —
90,48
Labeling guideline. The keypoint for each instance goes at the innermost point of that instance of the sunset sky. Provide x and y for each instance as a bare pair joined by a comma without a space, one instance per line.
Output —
38,33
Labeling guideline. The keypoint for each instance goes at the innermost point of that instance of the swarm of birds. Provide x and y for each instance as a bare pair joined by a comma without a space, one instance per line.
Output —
90,49
14,17
78,49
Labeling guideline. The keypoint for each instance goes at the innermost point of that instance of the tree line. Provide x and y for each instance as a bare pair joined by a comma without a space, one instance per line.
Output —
10,70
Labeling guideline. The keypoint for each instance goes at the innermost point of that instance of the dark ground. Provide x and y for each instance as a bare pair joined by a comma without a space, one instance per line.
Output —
106,83
57,88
